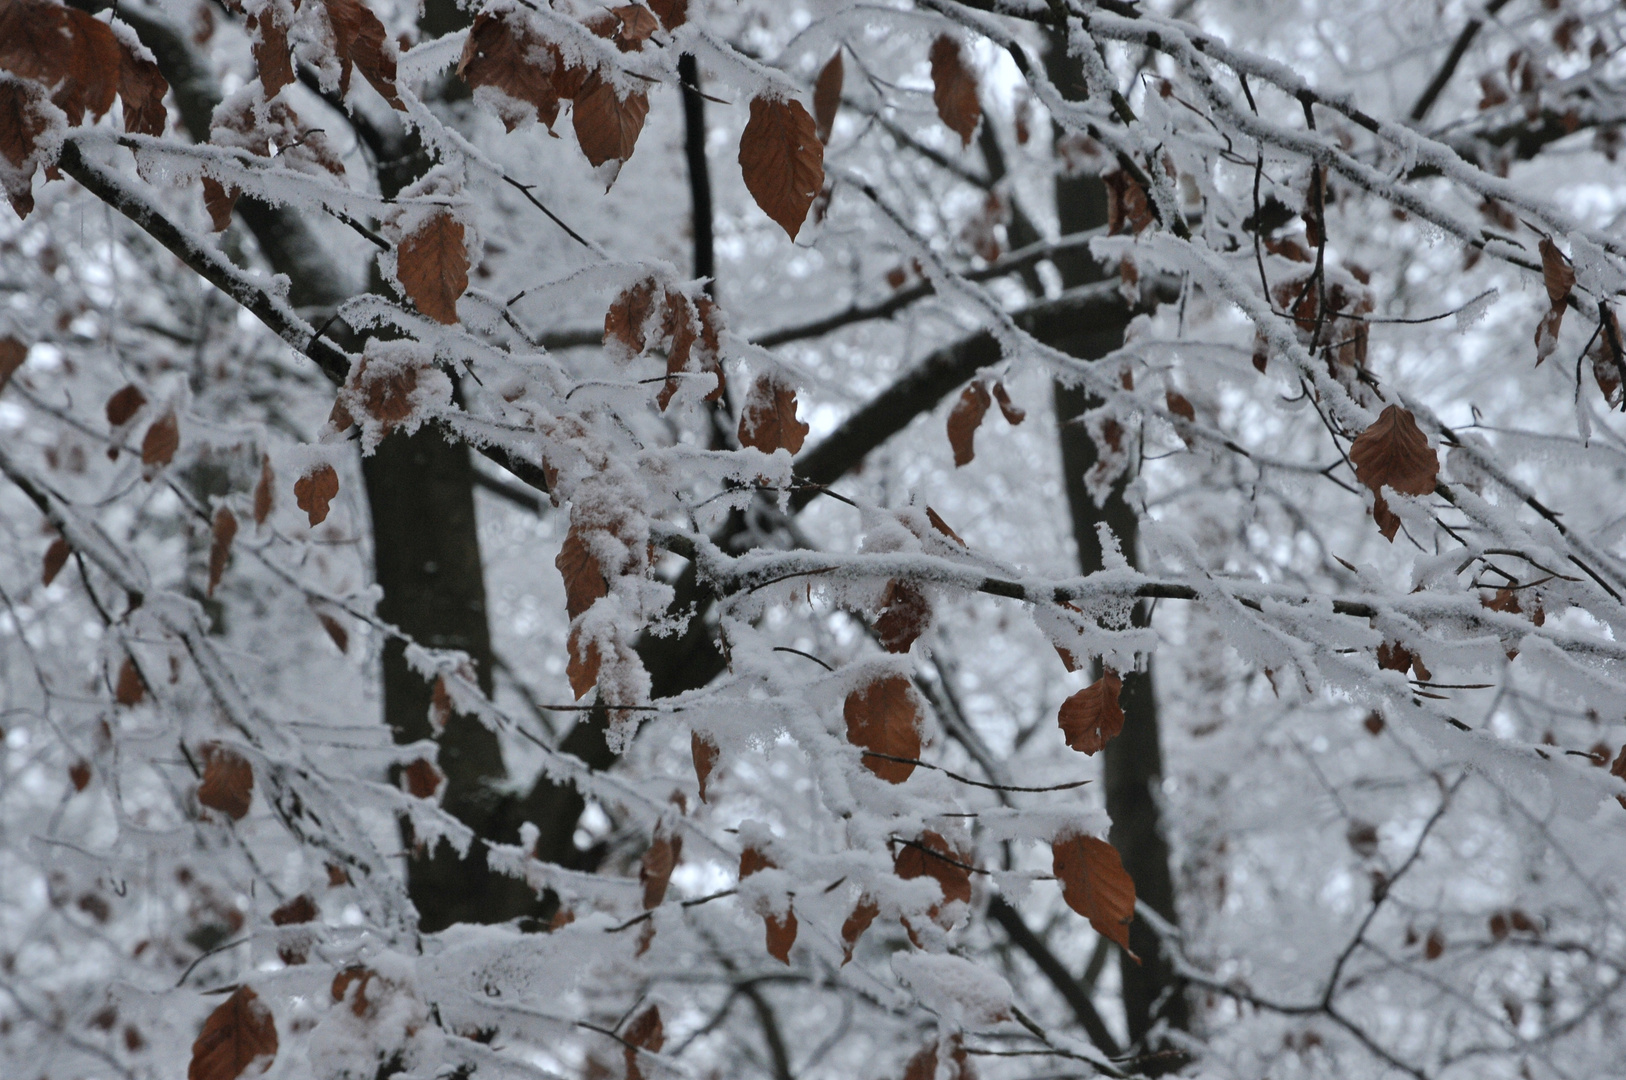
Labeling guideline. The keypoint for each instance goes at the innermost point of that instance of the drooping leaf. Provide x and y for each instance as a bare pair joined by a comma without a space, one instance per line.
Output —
56,557
1559,277
954,88
768,420
942,526
79,774
163,438
583,663
673,13
22,122
62,48
1179,405
607,124
584,579
228,782
223,533
655,869
781,932
315,491
129,689
930,855
296,912
629,314
269,43
754,860
1128,205
12,354
645,1032
141,90
1094,884
827,96
335,631
1394,453
238,1039
506,55
964,419
219,201
1092,717
905,614
433,266
884,718
422,778
360,41
1007,407
782,160
853,928
923,1064
705,752
124,404
263,491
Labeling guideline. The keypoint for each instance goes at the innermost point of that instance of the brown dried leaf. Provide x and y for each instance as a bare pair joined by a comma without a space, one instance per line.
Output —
884,718
228,782
634,24
1007,407
942,526
12,355
781,931
301,909
359,40
335,630
1434,945
433,266
124,404
263,491
79,774
129,689
1092,717
827,96
163,438
923,1065
1394,453
629,314
584,580
753,859
1556,272
270,47
673,13
644,1033
768,420
1094,884
862,915
56,556
1127,203
422,778
584,662
315,491
607,125
224,532
905,614
782,160
219,201
964,420
655,869
21,125
954,88
932,856
1178,405
238,1039
506,56
705,753
141,90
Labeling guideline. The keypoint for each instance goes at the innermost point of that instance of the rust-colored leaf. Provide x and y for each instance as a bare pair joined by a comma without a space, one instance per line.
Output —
942,526
781,932
705,752
79,774
629,314
673,13
632,26
1434,945
21,124
56,556
1127,203
1178,405
1094,884
863,914
884,718
645,1032
263,491
141,90
228,782
768,420
315,491
124,404
1092,717
219,200
238,1039
335,630
754,859
933,856
954,88
61,47
269,43
129,688
782,160
224,532
12,354
827,96
301,909
964,419
359,40
1556,272
509,57
583,665
1007,407
432,264
655,869
584,579
905,614
422,778
1394,453
607,124
163,438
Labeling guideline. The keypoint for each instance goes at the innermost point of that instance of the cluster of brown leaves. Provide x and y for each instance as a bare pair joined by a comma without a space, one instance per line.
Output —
1394,453
1332,315
647,316
64,56
265,129
967,414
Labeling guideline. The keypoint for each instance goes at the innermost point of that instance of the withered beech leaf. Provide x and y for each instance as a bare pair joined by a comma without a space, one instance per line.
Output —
884,718
930,855
263,493
753,859
782,160
508,56
1394,453
219,200
673,13
1556,272
905,614
79,774
315,491
223,533
964,419
645,1032
827,96
301,909
942,526
781,932
628,315
1179,405
56,556
705,751
141,90
768,420
228,782
422,778
359,40
238,1039
954,88
335,630
163,438
432,264
584,580
583,663
124,404
1094,884
607,124
130,688
863,914
22,122
655,869
12,355
269,43
1007,407
1092,717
